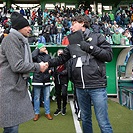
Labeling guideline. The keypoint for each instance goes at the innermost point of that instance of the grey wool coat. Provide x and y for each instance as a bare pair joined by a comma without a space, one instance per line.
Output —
15,104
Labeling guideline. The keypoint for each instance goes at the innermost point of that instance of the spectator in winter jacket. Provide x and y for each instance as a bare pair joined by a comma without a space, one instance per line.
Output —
5,33
53,33
107,17
41,81
114,26
96,27
89,51
60,29
41,39
116,38
32,39
126,37
112,17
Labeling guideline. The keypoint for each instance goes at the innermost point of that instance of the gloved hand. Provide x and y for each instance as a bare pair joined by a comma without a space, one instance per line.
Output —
85,46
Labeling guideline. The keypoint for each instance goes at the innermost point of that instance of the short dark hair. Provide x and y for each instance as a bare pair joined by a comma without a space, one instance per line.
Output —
81,19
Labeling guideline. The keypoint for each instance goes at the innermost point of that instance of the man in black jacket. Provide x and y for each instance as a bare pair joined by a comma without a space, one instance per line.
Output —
89,52
41,81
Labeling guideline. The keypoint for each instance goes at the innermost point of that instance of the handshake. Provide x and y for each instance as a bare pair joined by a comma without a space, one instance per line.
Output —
43,66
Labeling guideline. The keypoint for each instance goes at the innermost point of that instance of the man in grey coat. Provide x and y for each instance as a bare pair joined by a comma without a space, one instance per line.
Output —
15,66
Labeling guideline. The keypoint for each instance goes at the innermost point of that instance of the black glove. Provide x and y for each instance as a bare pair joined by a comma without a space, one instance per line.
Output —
85,46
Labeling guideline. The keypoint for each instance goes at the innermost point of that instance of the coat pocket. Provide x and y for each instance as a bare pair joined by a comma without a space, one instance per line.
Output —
20,84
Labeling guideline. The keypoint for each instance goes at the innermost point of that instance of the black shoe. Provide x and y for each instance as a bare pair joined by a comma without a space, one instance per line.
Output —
79,119
57,112
79,115
64,111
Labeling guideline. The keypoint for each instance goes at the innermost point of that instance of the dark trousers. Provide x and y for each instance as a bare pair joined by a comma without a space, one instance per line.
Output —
61,94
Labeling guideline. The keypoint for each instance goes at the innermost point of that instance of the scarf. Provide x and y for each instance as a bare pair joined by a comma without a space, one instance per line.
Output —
60,68
28,56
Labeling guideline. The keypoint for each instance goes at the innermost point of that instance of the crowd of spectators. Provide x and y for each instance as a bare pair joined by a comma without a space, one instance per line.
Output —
51,26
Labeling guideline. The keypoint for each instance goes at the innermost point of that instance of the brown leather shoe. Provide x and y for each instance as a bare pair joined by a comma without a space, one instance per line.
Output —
36,117
48,116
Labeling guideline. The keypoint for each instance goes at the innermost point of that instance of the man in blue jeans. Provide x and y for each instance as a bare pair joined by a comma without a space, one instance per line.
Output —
89,52
41,81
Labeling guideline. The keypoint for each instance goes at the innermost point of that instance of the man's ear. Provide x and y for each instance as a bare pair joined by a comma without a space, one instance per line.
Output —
82,24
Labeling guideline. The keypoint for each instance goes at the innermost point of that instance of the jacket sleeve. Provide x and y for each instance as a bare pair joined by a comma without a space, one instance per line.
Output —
35,54
13,52
61,59
102,50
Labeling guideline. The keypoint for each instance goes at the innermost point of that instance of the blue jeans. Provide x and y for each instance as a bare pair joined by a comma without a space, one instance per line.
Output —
13,129
53,38
46,96
99,100
59,38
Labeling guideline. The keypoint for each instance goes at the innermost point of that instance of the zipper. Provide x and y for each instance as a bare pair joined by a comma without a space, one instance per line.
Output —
58,78
82,78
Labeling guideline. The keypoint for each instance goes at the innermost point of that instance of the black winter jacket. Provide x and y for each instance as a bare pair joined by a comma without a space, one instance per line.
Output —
45,76
93,50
